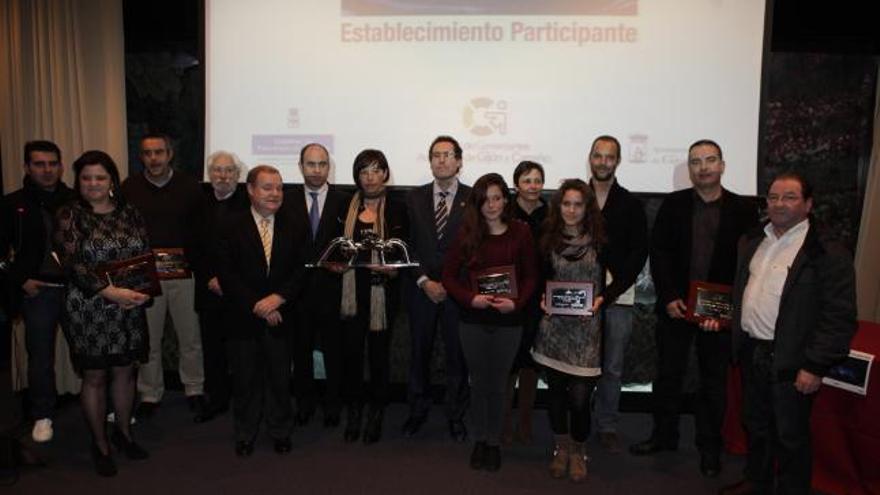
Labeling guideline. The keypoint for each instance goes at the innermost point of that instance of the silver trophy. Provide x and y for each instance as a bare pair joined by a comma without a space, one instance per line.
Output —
393,253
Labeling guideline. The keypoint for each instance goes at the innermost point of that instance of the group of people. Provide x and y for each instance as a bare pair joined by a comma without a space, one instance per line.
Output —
233,277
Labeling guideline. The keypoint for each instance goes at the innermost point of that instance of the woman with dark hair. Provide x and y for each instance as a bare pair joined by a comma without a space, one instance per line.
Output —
105,325
529,207
490,241
569,347
370,296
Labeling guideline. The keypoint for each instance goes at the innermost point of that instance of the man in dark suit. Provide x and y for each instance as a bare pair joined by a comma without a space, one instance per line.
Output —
223,199
794,316
435,211
261,273
694,239
322,208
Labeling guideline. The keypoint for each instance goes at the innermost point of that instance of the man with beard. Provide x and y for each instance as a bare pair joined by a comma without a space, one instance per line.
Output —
223,200
627,249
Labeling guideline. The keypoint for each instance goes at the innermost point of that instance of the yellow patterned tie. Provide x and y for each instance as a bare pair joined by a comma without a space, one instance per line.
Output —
266,239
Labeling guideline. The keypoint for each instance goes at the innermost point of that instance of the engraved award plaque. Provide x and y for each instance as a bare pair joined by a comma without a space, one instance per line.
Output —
138,274
495,281
710,301
569,298
171,263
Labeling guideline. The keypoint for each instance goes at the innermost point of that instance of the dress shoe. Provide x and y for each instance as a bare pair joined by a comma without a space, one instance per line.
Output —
282,445
128,446
244,448
457,430
146,410
373,428
413,424
493,458
710,465
650,447
743,487
331,419
353,424
199,407
104,464
478,455
303,416
610,442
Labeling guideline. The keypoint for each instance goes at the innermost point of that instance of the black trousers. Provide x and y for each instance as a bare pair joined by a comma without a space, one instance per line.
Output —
214,325
261,376
777,420
569,409
674,339
317,329
425,317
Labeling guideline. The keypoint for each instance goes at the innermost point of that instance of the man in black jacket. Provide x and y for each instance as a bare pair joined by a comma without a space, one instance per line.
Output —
626,252
694,240
435,211
36,281
794,317
223,200
322,208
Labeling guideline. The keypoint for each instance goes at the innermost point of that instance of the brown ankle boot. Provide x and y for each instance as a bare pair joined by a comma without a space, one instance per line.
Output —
559,464
577,463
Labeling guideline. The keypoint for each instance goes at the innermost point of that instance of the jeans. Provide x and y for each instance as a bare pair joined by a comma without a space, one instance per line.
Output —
41,315
618,329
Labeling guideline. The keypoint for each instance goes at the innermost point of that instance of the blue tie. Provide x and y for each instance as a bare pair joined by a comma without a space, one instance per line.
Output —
314,217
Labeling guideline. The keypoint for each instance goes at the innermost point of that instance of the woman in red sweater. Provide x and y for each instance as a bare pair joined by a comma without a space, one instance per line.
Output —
491,271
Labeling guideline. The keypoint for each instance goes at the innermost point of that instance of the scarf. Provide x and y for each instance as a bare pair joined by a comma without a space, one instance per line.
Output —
348,307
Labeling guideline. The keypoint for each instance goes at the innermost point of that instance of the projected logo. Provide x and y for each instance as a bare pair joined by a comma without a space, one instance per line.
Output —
485,116
638,148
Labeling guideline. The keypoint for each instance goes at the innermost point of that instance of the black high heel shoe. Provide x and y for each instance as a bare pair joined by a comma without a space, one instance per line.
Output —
104,464
373,429
353,424
128,446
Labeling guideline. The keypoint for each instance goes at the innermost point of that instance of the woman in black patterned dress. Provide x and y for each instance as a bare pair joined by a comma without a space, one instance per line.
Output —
105,325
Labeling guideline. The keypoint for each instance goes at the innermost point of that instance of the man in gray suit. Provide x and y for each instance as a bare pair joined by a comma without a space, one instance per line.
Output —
435,213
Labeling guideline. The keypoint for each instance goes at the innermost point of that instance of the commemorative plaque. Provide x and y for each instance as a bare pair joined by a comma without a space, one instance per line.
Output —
569,298
495,281
138,274
710,301
171,263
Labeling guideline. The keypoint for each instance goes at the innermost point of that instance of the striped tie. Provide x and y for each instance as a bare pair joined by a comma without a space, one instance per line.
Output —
441,215
266,239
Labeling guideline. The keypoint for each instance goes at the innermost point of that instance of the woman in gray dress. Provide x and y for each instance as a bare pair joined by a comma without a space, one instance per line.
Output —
104,324
569,347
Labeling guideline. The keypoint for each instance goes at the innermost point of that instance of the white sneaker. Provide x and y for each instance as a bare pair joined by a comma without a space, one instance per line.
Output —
42,430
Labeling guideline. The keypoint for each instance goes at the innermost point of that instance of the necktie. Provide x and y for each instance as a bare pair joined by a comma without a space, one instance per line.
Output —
441,215
314,217
266,239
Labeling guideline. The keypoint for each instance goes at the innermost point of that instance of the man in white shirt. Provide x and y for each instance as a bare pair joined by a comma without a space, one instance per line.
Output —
794,317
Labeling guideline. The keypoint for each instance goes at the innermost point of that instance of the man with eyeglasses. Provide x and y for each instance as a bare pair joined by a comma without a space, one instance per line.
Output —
36,279
173,207
224,199
694,240
321,207
435,211
794,316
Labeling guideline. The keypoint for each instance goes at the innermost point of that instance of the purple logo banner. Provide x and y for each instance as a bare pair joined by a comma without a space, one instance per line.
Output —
287,144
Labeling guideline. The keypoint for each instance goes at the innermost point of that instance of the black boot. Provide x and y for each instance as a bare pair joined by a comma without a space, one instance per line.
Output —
128,446
373,429
104,464
353,423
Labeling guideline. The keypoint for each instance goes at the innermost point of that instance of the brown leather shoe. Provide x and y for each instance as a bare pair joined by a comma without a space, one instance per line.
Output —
744,487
